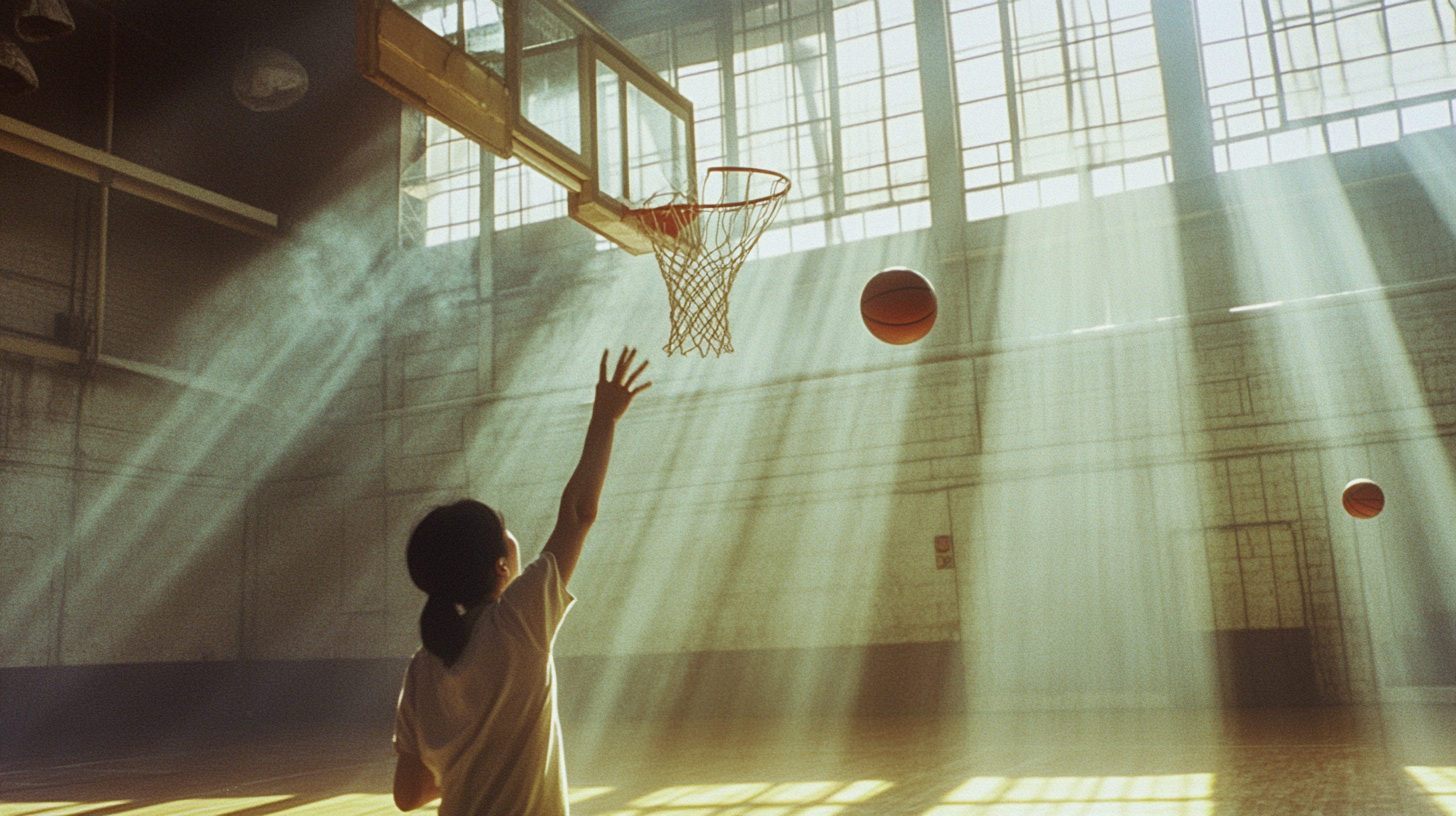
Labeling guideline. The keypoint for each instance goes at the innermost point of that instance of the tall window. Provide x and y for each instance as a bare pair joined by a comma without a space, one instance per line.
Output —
524,196
699,77
1059,100
442,193
1293,78
687,58
824,91
781,71
439,183
452,165
830,94
886,184
440,168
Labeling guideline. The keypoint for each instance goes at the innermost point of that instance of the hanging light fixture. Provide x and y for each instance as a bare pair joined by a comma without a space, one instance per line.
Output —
38,20
268,79
17,76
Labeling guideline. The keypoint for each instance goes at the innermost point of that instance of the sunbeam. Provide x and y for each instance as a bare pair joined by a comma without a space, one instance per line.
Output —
1080,548
1350,377
1087,533
295,326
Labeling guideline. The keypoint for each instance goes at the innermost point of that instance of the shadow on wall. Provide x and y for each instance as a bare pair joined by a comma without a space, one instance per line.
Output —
1266,668
897,679
58,707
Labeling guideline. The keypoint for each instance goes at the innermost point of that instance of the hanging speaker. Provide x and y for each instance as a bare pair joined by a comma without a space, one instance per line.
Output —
17,76
37,20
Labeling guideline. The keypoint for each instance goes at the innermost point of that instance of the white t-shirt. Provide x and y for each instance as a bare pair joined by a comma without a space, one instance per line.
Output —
487,726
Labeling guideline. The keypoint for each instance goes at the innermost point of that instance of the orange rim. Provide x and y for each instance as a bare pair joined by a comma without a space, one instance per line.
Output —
698,208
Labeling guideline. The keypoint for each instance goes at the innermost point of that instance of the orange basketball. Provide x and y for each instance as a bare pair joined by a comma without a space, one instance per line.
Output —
898,306
1363,499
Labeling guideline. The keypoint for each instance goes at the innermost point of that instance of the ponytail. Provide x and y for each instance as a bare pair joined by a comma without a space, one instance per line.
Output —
451,556
443,630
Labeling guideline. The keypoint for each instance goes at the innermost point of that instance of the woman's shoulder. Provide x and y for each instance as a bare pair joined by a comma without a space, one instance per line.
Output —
533,605
419,662
542,572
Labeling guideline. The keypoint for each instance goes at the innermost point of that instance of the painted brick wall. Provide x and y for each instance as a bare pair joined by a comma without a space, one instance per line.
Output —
1121,481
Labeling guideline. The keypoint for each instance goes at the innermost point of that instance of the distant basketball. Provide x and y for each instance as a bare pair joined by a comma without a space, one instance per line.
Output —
898,306
1363,499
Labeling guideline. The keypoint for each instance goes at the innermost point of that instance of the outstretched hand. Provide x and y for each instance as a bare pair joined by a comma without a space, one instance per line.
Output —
614,394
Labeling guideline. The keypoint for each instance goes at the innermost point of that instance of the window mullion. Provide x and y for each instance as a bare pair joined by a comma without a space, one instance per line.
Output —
1274,57
1008,56
831,57
727,83
945,166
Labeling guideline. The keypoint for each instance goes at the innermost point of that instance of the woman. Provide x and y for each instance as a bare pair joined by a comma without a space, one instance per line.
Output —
476,724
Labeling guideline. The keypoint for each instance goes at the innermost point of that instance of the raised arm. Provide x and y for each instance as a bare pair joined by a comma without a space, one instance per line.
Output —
584,489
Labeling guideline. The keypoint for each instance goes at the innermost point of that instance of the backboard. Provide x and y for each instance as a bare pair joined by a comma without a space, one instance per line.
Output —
539,81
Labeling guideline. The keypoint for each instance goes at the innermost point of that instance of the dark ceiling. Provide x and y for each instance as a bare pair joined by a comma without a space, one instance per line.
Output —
174,108
175,111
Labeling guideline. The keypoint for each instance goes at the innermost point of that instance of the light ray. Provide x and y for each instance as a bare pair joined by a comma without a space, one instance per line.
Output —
1439,783
288,332
1152,795
1347,377
711,541
56,808
1086,588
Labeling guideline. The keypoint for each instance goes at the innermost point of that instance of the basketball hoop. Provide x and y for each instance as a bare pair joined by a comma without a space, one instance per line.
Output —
701,246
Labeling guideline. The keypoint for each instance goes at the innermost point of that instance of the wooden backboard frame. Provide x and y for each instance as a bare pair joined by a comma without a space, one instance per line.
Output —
429,72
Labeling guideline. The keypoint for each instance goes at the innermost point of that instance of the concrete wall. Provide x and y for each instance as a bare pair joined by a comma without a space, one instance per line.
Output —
1141,487
130,486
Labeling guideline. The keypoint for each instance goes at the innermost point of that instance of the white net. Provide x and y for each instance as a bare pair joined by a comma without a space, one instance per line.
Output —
701,245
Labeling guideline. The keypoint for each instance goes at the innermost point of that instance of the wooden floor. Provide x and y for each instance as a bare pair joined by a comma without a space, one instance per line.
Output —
1391,760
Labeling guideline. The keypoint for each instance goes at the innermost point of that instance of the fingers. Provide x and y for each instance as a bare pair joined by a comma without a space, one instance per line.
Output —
623,374
623,362
633,377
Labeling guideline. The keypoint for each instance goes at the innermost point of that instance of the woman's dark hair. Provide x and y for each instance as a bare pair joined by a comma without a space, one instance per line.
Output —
451,556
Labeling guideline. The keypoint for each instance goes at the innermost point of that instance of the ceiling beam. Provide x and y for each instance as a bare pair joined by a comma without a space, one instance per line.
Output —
98,166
